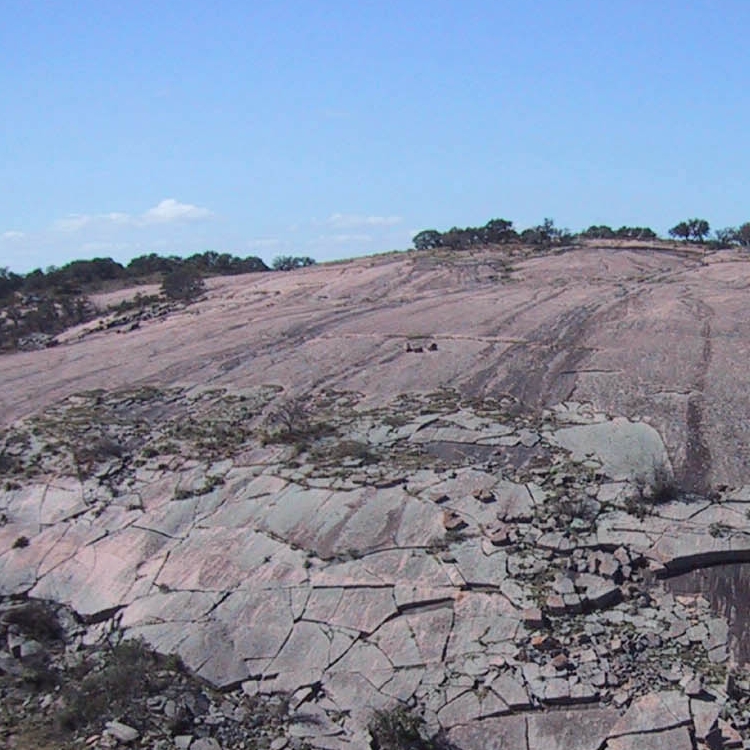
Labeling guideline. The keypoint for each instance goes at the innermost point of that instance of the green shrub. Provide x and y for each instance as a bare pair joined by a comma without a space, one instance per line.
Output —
400,729
183,283
36,620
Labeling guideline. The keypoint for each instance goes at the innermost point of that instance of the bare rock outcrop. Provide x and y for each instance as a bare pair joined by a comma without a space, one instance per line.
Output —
638,331
475,543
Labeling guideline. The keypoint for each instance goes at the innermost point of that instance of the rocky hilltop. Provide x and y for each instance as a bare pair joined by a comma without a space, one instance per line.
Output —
419,500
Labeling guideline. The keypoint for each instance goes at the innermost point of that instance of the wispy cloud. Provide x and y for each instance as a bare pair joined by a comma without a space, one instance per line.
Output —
13,234
117,217
349,221
170,210
105,247
344,238
260,244
72,222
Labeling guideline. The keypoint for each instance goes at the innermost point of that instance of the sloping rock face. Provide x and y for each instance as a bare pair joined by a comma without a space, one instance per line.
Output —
271,486
654,332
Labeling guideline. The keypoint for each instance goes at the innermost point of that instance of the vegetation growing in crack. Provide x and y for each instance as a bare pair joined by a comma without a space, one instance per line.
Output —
399,728
106,434
657,488
210,483
293,422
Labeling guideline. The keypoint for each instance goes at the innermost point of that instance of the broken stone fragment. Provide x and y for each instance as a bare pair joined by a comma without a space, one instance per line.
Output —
205,743
555,604
609,566
122,732
563,585
654,712
621,698
555,540
599,679
705,715
484,495
556,691
511,691
582,692
670,739
599,592
533,618
30,648
453,522
568,729
573,603
728,736
499,536
697,633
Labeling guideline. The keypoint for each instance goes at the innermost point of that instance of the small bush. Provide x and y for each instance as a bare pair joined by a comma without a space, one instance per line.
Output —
289,262
183,283
346,450
658,488
110,688
36,620
291,423
400,729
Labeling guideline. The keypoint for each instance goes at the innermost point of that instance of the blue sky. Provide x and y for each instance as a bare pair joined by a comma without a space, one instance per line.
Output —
334,128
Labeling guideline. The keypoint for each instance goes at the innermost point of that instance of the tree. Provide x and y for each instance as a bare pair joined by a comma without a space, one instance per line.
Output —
145,265
211,262
743,234
680,231
183,283
9,282
428,239
636,233
726,237
696,229
497,230
598,232
699,229
546,234
454,238
289,262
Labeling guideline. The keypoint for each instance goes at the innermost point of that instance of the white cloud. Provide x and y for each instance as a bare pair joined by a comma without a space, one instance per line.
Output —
75,222
117,217
72,222
12,234
260,244
170,210
105,247
342,238
348,221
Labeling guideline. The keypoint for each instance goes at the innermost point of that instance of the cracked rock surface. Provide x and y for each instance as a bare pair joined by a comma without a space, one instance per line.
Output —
359,569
